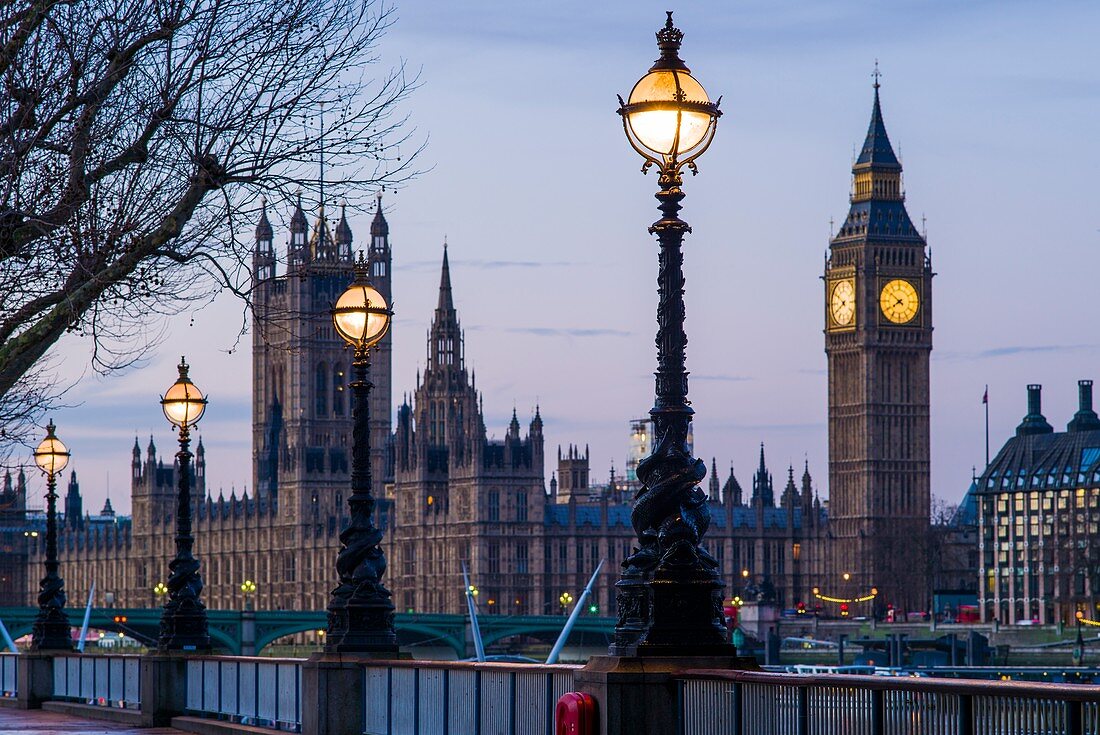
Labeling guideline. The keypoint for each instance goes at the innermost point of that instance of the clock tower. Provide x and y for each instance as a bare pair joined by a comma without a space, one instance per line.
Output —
878,337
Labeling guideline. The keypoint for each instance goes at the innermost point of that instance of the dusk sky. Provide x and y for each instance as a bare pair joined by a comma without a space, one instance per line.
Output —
993,107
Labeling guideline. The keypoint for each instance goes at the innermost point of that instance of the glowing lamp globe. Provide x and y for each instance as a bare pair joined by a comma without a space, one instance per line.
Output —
668,116
51,455
184,403
361,316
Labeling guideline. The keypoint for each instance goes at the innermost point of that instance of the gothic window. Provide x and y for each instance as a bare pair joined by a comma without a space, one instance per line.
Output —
494,558
521,557
291,568
521,507
322,389
494,506
338,390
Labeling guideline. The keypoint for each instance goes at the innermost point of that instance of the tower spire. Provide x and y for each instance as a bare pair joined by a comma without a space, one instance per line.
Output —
445,346
877,151
446,299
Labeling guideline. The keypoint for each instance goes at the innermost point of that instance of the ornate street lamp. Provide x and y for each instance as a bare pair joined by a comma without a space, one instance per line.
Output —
565,600
51,627
360,611
669,596
248,588
183,625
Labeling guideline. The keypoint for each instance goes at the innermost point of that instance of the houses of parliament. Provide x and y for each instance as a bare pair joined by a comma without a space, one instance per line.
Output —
450,495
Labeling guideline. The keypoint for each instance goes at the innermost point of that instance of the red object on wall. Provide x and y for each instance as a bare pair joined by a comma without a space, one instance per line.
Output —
576,715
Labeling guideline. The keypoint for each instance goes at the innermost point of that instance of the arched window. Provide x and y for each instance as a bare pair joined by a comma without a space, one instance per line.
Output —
338,399
322,389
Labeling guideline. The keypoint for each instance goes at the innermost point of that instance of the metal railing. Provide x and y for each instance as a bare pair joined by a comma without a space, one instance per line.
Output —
757,703
106,681
426,698
264,692
9,674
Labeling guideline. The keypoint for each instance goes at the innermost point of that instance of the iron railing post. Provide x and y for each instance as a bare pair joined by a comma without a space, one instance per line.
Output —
803,726
966,714
878,712
738,706
1075,721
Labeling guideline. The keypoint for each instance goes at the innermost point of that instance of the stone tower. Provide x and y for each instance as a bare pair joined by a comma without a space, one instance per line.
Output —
301,411
878,336
380,263
461,497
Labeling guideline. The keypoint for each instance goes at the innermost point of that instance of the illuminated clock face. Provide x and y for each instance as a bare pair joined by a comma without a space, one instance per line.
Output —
842,303
899,301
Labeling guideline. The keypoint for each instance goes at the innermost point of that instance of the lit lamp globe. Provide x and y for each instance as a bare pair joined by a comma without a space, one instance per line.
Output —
668,118
51,455
361,315
184,403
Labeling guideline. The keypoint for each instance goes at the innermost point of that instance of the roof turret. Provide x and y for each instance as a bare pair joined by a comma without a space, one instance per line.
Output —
264,233
378,226
343,230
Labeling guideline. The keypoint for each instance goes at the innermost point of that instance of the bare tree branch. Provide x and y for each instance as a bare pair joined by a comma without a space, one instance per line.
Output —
134,133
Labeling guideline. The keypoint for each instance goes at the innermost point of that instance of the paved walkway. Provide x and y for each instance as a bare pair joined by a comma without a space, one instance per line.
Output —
39,722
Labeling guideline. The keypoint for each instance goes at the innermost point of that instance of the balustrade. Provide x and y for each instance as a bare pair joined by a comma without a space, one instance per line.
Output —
754,703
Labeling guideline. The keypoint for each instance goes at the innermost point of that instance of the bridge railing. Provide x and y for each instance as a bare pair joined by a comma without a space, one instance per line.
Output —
106,681
740,703
9,674
438,697
263,692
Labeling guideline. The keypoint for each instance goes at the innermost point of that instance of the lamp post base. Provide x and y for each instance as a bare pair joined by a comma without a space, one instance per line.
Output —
361,628
183,629
638,695
52,631
670,612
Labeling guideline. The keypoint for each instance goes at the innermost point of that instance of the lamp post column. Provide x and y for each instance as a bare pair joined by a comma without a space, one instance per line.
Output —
360,611
183,624
51,628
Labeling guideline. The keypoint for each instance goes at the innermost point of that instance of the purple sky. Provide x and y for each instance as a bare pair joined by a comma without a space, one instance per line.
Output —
993,107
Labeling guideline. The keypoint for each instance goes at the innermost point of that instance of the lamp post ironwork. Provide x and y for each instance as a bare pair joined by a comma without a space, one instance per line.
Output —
669,595
360,609
1079,643
51,630
183,623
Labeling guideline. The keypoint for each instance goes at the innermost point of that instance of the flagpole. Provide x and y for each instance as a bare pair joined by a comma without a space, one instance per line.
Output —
986,402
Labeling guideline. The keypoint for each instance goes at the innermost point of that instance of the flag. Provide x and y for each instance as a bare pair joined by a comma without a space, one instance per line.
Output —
985,396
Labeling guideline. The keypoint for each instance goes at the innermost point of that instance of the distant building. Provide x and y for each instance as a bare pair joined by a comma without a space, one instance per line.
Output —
953,555
641,444
16,528
1039,506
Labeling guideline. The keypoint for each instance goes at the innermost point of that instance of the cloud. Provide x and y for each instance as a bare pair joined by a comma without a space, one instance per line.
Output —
1013,350
551,331
556,332
794,427
723,378
433,265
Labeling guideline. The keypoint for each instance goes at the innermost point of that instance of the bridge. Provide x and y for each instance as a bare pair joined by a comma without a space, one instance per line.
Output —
248,632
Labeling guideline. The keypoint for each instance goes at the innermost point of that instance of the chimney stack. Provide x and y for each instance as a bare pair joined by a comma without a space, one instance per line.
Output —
1034,422
1085,419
